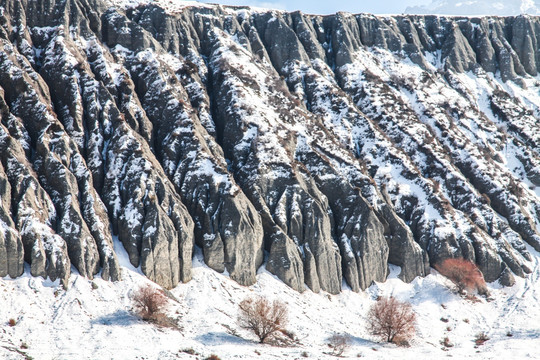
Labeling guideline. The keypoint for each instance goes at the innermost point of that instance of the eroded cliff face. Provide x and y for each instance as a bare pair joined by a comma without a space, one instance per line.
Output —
324,147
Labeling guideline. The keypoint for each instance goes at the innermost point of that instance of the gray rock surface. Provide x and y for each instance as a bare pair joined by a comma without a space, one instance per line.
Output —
11,247
151,221
44,250
326,148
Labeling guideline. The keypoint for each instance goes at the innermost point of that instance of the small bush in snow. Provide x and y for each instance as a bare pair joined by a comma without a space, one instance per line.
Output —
265,319
481,338
446,342
12,322
339,343
212,357
464,274
150,304
392,320
189,351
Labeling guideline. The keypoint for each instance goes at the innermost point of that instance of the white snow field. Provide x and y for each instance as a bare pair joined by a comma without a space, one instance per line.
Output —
85,322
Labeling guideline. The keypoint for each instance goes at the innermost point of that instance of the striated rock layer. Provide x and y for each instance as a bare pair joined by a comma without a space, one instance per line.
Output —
325,148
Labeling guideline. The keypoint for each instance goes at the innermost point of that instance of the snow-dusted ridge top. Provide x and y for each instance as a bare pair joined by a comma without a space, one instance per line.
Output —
440,8
171,6
176,6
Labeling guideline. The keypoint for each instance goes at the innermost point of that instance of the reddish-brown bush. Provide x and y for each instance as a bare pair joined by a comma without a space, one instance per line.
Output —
189,351
150,303
263,318
392,320
445,342
464,274
481,338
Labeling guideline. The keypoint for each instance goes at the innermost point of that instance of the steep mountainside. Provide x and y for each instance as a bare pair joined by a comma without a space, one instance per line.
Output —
324,147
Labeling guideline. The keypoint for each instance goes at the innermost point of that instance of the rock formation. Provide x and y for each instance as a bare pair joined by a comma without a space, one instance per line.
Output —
325,148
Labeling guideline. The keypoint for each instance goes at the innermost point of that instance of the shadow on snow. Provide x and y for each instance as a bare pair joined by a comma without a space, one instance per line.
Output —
119,318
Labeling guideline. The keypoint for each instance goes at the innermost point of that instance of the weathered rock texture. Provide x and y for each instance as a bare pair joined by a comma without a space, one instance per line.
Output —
326,148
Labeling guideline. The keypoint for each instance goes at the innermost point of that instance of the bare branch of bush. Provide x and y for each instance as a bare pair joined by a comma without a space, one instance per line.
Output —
392,320
339,343
230,330
446,343
150,304
481,338
464,274
265,319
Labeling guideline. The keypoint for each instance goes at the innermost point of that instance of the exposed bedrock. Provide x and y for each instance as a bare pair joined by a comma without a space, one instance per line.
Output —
326,148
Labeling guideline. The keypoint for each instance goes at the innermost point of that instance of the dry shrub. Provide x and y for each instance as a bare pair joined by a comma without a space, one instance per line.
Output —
12,322
481,338
213,357
464,274
288,334
189,351
445,342
150,304
265,319
474,299
339,343
392,320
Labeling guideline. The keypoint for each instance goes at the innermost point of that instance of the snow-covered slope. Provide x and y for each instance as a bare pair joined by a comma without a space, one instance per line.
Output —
89,322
